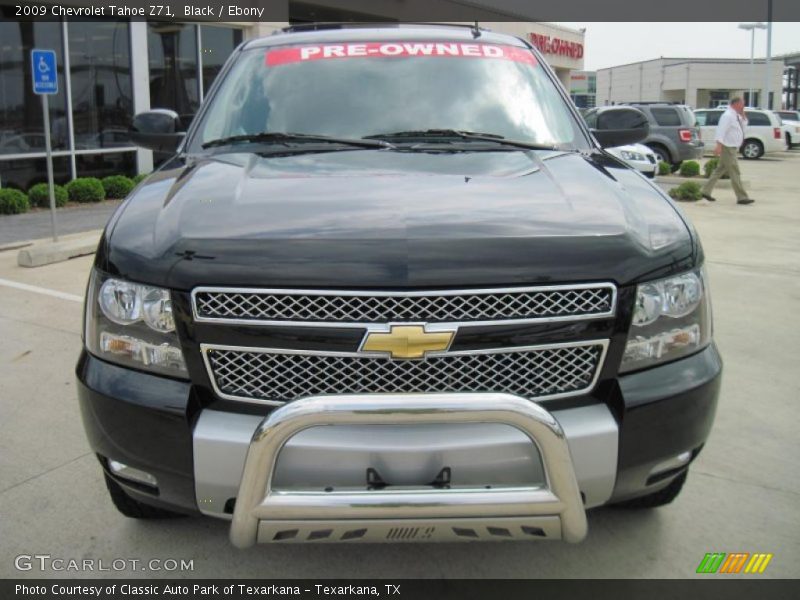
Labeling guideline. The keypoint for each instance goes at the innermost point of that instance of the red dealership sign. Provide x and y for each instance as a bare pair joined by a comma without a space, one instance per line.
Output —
557,46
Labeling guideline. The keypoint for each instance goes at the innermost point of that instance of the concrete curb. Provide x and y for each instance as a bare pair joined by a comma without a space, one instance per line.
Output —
46,252
13,246
722,183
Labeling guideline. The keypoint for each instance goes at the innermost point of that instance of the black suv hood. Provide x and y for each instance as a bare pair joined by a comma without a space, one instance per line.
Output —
386,219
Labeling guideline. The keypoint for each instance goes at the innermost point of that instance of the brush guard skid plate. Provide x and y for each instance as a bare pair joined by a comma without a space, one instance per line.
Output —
550,511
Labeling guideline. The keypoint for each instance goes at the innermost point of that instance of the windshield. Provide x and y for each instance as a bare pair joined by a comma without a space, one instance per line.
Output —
369,89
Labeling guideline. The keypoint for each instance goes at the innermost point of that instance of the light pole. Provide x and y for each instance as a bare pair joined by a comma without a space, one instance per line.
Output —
766,102
751,27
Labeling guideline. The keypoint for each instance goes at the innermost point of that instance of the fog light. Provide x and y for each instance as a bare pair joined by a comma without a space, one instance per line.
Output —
122,470
161,355
654,347
673,463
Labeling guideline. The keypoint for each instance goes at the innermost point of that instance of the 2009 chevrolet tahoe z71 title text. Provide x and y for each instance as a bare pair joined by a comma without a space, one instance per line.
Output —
390,288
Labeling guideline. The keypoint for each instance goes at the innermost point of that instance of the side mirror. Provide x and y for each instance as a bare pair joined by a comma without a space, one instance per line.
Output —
619,126
159,129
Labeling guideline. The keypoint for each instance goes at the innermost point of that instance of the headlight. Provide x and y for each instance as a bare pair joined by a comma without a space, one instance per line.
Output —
632,155
671,319
132,324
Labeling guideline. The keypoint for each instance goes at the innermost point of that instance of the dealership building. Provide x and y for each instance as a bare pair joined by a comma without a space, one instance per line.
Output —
583,88
698,82
109,70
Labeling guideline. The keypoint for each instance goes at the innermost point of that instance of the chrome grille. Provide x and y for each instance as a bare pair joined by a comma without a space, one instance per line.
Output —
308,307
275,376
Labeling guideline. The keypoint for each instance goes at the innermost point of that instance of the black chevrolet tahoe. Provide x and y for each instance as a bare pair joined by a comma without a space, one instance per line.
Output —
389,287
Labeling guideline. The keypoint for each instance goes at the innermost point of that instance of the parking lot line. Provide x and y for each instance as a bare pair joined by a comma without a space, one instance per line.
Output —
40,290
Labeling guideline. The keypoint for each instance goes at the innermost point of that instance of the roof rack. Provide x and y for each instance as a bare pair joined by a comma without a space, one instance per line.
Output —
319,26
648,102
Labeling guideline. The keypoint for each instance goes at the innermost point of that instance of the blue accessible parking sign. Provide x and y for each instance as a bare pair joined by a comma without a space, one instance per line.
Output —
45,76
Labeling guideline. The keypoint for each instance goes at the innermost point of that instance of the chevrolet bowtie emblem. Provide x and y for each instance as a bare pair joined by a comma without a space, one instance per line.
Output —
407,341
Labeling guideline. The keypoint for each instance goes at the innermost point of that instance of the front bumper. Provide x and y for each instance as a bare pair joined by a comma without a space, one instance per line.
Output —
552,509
643,166
629,447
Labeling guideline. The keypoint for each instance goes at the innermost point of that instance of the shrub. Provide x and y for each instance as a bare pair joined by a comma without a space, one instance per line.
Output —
86,189
709,167
690,168
39,195
689,191
664,168
138,178
13,202
117,186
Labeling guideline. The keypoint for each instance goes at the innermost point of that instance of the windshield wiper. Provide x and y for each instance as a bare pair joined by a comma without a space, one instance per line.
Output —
443,134
275,136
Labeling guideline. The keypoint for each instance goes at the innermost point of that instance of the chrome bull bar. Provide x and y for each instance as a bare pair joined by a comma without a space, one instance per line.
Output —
264,514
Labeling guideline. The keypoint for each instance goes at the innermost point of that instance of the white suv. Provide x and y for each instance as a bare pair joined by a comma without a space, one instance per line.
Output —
763,134
791,126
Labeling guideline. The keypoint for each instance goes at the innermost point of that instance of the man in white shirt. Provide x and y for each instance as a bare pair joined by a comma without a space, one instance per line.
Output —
729,137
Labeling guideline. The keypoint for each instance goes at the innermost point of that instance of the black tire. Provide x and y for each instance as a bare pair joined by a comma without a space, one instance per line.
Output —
134,509
752,149
660,498
788,141
661,153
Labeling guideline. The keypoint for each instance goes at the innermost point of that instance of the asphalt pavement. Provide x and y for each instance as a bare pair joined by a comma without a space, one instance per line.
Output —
72,219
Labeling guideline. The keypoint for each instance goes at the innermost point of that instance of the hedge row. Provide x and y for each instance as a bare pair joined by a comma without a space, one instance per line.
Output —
709,167
690,168
688,191
82,189
13,202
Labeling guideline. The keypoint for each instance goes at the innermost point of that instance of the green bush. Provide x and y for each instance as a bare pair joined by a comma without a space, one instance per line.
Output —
690,168
13,202
117,186
709,167
689,191
140,177
39,195
664,168
86,189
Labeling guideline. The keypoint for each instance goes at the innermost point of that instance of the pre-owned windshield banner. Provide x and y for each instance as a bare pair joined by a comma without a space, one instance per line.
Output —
295,54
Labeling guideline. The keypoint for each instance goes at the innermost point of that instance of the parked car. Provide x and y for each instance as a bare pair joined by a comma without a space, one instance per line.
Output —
788,115
763,134
791,126
436,311
673,134
638,156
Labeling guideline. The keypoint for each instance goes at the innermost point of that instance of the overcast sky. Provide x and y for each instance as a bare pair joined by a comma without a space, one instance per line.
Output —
610,44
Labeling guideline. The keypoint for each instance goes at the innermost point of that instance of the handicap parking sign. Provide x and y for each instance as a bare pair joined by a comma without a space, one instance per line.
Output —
45,76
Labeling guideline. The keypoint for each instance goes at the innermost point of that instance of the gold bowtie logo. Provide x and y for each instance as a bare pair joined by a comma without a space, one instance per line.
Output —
407,341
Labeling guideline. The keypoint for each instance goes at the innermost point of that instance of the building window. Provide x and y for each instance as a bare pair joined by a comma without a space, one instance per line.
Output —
100,72
103,164
216,43
21,119
172,55
22,173
180,73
